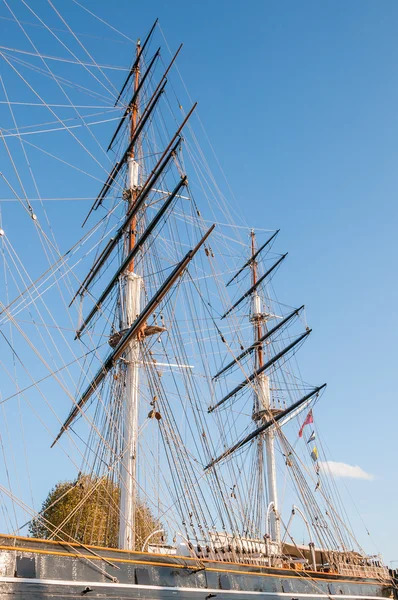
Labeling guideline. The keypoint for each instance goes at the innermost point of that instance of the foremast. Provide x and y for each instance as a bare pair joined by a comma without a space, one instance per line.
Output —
131,308
122,293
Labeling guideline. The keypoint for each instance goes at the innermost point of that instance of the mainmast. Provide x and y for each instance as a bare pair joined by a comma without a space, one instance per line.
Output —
133,237
131,309
262,410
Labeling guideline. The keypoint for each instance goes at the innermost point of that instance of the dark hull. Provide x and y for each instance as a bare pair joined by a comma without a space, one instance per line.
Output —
36,590
33,570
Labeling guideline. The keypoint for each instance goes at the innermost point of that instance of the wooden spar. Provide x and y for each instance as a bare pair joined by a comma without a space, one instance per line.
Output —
131,332
134,133
258,372
134,98
145,190
258,322
94,269
104,190
267,335
117,167
265,426
253,257
156,172
131,255
136,62
254,286
141,84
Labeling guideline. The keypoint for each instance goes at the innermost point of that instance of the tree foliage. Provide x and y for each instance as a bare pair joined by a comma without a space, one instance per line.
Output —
87,511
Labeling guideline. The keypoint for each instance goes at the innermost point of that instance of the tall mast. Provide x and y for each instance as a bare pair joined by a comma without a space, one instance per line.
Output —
262,402
131,308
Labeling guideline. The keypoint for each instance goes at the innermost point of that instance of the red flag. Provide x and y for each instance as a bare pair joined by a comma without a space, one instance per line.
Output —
308,419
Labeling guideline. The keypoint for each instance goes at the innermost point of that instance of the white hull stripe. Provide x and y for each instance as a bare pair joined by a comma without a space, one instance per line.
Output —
133,586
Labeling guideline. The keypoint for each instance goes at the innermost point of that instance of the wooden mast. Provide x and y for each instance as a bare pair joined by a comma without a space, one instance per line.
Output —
131,309
259,332
262,407
133,127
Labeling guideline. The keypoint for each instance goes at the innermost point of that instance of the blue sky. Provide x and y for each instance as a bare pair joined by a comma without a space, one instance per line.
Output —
299,100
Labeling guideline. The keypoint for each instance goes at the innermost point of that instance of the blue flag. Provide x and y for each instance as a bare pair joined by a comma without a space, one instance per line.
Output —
312,437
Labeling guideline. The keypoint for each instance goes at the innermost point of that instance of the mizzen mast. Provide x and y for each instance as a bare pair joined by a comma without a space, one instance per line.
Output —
262,410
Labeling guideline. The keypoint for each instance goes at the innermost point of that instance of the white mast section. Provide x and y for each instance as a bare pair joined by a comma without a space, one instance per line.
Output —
128,479
269,435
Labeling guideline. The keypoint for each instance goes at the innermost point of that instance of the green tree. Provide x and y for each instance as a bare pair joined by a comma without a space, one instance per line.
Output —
87,511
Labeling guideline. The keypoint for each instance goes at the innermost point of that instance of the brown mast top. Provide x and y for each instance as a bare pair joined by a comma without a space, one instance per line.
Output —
133,126
258,325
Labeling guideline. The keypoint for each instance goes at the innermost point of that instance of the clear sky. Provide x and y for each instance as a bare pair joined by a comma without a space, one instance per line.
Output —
300,102
300,99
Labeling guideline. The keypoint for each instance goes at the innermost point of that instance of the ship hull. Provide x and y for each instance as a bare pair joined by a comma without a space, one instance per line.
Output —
37,570
45,589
